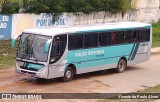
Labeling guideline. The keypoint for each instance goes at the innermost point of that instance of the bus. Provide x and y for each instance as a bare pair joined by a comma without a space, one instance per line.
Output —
48,53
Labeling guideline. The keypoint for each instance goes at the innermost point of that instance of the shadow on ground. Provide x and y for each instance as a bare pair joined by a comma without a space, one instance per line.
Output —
81,76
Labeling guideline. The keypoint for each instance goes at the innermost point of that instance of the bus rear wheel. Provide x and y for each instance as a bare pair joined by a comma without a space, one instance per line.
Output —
68,74
121,66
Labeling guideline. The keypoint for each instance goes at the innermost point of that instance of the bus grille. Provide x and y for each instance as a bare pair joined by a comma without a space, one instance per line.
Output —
26,68
27,72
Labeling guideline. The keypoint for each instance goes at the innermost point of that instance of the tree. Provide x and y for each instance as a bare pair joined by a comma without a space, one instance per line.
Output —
56,7
10,6
35,6
125,6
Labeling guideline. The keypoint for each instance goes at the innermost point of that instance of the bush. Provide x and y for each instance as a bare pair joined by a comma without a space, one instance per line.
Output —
7,54
10,8
59,6
156,34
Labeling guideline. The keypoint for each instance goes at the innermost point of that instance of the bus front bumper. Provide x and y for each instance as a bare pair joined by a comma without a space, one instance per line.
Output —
42,73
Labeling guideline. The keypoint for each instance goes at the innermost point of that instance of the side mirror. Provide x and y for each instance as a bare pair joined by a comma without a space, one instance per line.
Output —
46,47
14,41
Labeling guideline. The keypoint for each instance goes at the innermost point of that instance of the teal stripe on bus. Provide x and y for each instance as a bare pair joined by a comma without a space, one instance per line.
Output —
131,52
135,51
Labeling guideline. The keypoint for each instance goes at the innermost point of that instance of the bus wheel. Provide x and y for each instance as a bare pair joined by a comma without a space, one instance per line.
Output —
68,75
121,66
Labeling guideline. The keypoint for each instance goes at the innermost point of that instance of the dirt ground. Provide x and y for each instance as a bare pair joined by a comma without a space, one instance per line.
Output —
135,78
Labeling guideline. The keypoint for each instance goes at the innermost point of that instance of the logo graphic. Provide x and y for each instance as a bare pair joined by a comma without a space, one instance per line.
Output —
6,96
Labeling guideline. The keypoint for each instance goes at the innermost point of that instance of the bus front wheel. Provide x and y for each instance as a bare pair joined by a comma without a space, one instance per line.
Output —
121,66
68,74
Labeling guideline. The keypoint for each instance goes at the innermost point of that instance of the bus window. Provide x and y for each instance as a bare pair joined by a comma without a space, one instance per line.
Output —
113,38
58,47
118,37
144,35
105,38
90,40
130,36
75,42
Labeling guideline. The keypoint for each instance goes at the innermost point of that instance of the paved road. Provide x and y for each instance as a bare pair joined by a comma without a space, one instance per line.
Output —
135,78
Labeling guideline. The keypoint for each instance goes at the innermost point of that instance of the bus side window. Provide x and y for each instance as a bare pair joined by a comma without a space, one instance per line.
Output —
135,36
113,38
148,34
90,40
105,38
144,35
58,47
118,37
75,41
130,36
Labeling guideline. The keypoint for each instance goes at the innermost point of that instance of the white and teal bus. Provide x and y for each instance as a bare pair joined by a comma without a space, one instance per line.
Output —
64,52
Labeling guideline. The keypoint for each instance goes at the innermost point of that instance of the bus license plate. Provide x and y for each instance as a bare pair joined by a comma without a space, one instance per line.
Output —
27,75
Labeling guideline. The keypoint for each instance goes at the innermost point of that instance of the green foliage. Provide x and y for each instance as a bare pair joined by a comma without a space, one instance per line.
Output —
35,6
116,6
7,54
125,5
59,6
156,34
77,6
10,6
56,7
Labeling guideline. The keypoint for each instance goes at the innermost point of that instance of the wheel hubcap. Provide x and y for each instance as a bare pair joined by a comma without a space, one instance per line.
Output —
68,74
122,65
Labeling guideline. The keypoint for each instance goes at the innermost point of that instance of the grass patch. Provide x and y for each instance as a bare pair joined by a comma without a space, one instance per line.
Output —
155,89
7,54
156,35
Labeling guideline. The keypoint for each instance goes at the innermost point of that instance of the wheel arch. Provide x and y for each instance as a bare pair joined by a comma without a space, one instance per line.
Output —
73,67
124,59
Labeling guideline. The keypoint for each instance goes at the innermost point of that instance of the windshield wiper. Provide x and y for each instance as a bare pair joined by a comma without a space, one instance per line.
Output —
26,54
34,55
27,47
23,56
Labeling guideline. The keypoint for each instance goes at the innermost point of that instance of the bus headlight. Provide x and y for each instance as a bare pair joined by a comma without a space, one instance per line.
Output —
41,69
17,65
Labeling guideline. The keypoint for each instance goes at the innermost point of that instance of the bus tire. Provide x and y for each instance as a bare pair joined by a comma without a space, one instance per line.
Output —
121,66
68,74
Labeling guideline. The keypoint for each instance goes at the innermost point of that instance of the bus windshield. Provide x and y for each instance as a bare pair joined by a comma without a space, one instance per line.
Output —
31,47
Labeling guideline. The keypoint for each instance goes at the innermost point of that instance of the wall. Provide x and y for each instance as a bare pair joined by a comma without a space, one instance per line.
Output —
147,10
145,4
102,17
5,26
142,10
21,22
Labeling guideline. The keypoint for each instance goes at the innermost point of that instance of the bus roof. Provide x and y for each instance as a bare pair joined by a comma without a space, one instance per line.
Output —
88,28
